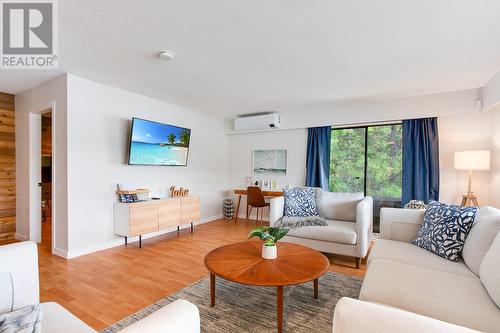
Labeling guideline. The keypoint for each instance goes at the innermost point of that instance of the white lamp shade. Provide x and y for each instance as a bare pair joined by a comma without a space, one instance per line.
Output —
472,160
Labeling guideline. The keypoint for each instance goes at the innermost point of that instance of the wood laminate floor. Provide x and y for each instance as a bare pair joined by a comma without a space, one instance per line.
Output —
104,287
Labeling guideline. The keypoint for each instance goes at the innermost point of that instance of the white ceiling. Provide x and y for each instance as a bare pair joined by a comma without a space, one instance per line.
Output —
235,56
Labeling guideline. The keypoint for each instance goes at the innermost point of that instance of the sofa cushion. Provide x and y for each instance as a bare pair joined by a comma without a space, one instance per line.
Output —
410,254
300,201
489,271
336,231
338,206
445,229
454,298
484,211
57,319
480,238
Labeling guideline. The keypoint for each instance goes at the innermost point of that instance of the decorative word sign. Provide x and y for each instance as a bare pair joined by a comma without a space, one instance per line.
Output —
180,192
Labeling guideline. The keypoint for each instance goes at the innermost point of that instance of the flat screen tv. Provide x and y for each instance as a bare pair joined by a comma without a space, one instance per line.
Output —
153,143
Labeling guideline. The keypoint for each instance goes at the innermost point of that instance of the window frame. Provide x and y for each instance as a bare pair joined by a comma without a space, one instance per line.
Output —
365,127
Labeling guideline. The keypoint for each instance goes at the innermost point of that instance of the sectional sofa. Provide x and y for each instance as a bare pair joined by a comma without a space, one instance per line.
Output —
409,289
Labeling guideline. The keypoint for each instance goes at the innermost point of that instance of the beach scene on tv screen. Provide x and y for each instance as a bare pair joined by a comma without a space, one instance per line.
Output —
158,144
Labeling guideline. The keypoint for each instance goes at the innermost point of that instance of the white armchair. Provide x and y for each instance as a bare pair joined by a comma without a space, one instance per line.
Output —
350,220
19,287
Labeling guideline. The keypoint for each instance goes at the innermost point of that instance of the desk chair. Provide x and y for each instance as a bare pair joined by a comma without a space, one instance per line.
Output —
255,198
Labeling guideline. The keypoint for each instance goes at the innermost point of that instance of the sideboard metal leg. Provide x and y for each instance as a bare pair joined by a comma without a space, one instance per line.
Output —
140,241
126,240
192,227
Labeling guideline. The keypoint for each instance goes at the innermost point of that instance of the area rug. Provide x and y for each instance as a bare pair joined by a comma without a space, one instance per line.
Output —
242,308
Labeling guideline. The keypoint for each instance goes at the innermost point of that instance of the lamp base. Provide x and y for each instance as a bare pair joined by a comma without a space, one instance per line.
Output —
469,200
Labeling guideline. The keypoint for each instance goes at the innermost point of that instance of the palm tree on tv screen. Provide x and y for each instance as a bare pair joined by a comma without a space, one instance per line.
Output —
184,137
171,138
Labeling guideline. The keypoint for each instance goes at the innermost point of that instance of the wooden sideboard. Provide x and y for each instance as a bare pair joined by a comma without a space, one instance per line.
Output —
139,218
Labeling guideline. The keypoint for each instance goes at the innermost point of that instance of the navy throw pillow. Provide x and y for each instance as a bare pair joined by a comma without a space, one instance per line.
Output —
445,229
300,202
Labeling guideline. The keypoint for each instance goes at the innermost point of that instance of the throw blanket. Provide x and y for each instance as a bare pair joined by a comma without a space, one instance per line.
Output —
23,320
294,222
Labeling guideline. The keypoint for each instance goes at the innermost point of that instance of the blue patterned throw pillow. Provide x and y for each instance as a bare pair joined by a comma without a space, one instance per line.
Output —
300,202
445,229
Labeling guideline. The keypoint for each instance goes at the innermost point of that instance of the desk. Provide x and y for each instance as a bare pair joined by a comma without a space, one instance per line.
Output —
241,192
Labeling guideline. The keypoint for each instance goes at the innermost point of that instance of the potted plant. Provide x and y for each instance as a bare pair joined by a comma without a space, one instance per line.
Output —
270,236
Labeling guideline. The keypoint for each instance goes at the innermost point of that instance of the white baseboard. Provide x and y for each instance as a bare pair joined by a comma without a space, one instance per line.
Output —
21,237
60,253
120,240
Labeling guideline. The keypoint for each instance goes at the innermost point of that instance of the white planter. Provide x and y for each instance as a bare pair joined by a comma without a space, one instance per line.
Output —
269,252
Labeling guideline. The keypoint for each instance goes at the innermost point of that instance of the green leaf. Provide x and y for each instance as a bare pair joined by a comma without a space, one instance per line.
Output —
257,232
270,235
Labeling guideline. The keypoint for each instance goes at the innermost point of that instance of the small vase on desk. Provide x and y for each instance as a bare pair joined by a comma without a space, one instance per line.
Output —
269,252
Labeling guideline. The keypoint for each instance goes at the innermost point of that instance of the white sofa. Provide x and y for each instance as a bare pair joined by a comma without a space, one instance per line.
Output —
349,217
409,289
19,287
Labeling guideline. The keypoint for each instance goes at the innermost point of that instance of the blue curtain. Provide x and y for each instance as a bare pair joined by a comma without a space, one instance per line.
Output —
420,160
318,157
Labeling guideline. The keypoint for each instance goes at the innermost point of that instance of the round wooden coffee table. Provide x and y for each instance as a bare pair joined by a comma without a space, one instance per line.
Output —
242,263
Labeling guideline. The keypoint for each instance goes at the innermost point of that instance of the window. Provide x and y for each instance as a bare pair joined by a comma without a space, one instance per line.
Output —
369,160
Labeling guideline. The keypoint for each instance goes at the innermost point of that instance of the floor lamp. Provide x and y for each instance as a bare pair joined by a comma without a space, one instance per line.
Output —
471,160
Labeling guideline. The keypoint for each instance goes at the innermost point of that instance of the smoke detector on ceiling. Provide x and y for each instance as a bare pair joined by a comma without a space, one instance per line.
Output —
166,55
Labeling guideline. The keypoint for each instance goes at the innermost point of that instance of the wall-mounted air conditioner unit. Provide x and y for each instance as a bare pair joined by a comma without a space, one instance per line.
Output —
257,122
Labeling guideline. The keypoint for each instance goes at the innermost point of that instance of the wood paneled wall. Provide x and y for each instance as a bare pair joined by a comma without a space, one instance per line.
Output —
7,167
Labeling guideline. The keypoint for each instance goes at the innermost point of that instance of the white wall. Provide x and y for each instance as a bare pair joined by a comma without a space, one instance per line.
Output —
495,157
464,132
461,127
98,132
491,92
50,94
240,149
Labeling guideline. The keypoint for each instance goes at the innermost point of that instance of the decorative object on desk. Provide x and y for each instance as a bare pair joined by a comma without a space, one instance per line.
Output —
133,195
270,236
181,192
248,181
228,209
415,204
266,184
445,229
269,161
471,160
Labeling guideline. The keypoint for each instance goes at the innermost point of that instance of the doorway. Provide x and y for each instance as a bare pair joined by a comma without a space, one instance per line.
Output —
46,180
